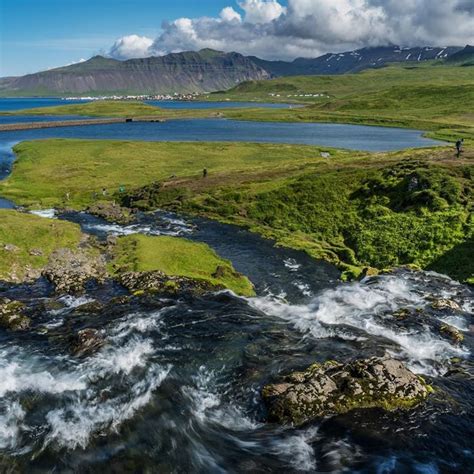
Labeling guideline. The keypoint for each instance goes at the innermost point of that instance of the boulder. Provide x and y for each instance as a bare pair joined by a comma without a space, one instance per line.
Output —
445,304
70,270
12,315
452,333
87,341
111,212
334,388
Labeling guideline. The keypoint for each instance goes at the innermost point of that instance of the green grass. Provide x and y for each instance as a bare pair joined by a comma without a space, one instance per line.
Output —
353,209
177,257
29,232
46,170
357,217
430,96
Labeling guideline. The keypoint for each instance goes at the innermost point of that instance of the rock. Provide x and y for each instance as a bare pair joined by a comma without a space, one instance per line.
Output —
36,252
111,212
91,307
156,281
87,341
368,272
11,248
12,315
335,388
452,333
69,271
444,303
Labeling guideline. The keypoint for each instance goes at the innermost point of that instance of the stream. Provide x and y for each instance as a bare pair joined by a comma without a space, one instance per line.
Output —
176,388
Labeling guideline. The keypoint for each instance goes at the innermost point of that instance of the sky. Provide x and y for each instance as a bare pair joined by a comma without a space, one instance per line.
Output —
42,34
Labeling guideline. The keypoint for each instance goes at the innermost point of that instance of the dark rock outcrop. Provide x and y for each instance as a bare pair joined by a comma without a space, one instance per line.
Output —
69,271
111,212
156,281
335,388
12,315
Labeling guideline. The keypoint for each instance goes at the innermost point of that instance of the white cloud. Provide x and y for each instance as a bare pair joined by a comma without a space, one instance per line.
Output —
131,46
229,14
311,27
261,11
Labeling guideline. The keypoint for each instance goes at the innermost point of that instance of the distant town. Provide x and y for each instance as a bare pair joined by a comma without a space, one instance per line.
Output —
175,96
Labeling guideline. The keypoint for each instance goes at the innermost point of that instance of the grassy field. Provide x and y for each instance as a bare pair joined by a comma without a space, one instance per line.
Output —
83,167
33,239
437,98
178,257
353,209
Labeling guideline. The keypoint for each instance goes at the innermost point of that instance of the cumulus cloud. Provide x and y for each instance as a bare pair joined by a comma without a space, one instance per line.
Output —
131,46
309,28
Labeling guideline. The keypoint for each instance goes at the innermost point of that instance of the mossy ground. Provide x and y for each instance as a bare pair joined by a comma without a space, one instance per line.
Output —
177,257
31,234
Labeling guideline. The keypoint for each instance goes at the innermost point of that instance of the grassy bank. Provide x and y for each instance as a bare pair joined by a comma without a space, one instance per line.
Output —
177,257
352,209
27,241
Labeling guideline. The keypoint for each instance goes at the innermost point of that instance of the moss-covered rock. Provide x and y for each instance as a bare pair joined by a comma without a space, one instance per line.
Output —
334,388
111,212
12,315
452,333
445,304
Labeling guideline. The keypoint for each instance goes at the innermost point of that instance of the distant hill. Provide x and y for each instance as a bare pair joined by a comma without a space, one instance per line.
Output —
203,71
465,57
208,71
354,61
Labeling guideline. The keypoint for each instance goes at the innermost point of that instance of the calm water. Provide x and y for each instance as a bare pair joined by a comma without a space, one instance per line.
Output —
28,103
354,137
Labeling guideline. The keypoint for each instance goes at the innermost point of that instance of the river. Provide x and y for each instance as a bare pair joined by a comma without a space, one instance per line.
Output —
177,386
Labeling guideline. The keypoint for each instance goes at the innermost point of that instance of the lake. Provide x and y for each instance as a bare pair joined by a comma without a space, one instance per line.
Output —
9,104
355,137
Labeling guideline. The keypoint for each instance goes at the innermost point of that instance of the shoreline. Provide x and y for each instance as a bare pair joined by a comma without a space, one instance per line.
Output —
71,123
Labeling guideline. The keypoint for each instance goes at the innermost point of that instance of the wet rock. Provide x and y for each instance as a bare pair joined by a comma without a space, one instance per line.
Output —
12,315
452,333
445,304
69,271
156,281
91,307
87,341
368,272
334,388
111,212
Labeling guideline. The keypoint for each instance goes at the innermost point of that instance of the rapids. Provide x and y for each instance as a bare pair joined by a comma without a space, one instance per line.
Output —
176,386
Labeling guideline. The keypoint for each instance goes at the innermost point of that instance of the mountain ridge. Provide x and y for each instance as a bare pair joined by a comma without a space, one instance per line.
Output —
208,70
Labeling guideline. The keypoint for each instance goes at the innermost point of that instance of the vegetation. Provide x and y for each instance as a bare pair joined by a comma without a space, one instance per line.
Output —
27,241
353,209
177,257
83,167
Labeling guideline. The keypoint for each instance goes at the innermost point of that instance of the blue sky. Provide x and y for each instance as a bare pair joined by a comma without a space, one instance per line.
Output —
40,34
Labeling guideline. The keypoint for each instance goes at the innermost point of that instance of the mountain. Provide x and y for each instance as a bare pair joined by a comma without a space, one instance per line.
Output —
354,61
465,57
203,71
208,71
